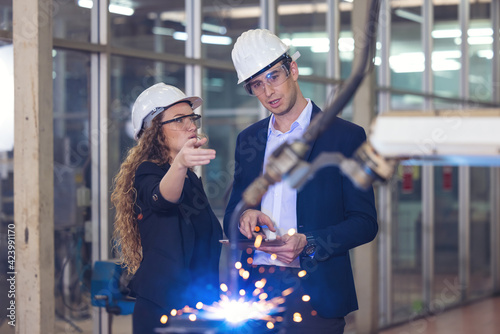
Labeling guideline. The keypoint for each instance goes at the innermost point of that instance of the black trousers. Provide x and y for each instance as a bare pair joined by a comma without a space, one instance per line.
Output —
279,279
147,316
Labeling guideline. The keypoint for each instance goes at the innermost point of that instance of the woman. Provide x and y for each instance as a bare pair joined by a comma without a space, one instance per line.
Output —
166,231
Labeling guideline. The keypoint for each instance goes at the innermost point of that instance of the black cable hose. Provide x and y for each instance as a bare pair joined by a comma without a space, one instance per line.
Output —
321,122
233,237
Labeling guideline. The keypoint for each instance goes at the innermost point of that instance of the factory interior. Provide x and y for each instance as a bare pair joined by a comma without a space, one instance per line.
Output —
70,71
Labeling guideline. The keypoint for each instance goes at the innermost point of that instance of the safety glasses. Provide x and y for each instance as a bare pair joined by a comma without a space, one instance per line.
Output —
274,77
183,123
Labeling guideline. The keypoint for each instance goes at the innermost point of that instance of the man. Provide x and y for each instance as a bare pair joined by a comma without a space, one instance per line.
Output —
329,214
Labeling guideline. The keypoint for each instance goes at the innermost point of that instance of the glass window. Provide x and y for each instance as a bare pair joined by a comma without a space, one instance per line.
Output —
6,15
481,281
158,26
302,25
480,39
407,243
223,22
406,102
7,97
407,60
446,54
445,238
6,175
72,184
443,104
227,110
315,91
346,40
129,78
72,20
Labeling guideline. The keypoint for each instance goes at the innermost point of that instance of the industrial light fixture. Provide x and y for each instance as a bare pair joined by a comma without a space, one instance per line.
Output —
205,39
120,9
480,40
414,62
456,33
488,54
320,44
446,33
304,71
115,8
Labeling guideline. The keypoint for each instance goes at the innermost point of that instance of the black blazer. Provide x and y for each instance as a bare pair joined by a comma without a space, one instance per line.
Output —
329,207
167,237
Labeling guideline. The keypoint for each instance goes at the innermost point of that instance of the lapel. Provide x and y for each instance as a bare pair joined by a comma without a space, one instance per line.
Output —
315,111
259,142
262,140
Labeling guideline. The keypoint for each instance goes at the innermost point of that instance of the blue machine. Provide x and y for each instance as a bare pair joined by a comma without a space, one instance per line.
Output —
108,288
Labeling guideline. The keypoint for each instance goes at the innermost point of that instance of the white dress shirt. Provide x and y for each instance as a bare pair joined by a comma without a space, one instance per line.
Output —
280,201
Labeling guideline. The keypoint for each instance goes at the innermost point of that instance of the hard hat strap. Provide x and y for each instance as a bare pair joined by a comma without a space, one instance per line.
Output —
148,120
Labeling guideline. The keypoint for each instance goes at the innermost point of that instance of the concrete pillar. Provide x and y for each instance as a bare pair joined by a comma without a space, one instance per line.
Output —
365,256
33,165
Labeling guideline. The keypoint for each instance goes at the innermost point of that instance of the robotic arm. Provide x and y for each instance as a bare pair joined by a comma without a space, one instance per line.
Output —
447,137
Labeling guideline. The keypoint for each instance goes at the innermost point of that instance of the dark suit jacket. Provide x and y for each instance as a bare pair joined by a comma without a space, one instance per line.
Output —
329,207
167,237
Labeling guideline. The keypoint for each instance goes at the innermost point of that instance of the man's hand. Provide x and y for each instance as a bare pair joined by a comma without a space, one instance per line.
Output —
288,252
250,219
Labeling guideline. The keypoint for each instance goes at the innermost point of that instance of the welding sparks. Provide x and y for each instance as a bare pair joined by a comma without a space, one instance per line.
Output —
260,284
245,274
297,317
258,241
240,310
236,311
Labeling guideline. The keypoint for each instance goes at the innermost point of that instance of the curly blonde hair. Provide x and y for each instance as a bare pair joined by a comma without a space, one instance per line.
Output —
151,146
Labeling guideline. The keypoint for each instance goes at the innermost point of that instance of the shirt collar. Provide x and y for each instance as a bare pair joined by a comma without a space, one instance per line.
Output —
301,123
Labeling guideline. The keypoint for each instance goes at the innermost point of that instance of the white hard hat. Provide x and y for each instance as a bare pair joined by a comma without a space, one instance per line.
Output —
256,49
154,100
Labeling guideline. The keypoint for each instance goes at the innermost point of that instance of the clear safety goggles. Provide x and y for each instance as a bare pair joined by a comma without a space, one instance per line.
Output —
183,123
273,77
